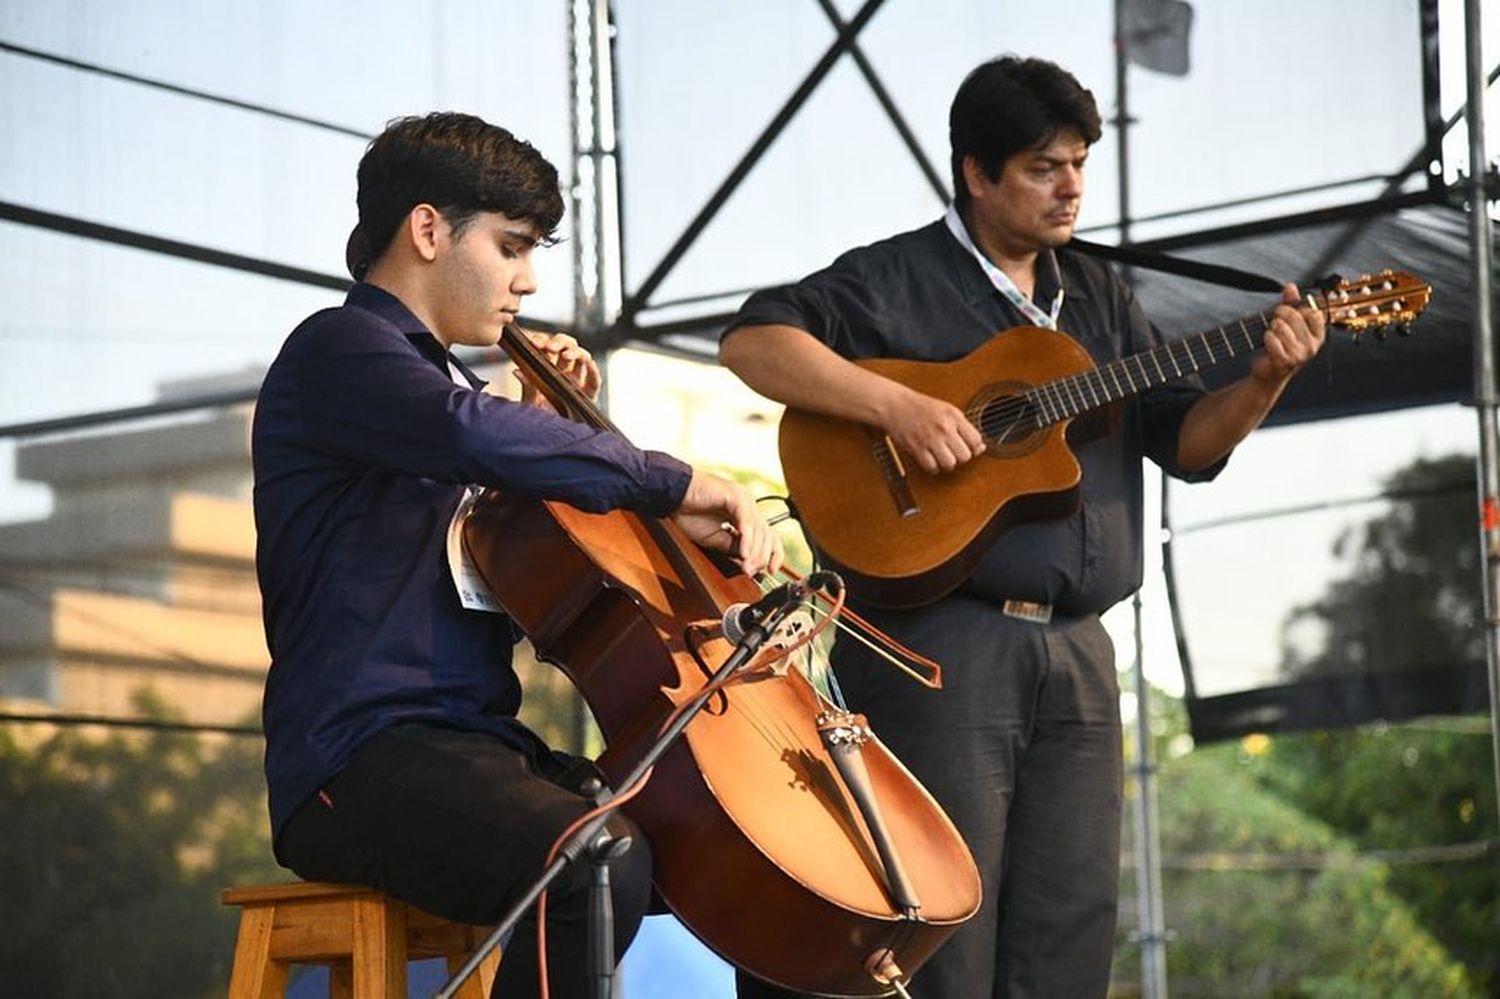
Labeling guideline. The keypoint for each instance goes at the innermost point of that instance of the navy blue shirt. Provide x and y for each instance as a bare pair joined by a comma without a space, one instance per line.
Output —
921,296
362,447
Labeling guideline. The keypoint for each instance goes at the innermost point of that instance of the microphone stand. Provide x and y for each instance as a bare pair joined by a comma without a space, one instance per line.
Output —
587,841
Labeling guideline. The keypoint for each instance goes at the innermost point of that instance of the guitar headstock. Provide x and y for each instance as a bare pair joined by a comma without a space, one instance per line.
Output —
1390,299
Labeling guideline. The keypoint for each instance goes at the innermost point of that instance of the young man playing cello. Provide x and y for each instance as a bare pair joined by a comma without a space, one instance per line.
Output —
393,755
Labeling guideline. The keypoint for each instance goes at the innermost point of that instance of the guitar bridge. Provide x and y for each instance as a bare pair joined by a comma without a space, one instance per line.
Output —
893,471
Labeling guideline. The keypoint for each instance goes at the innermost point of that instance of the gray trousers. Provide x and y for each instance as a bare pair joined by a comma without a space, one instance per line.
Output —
1022,748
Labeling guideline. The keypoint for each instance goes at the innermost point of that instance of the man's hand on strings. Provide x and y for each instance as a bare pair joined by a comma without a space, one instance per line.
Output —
569,357
936,434
720,514
1293,338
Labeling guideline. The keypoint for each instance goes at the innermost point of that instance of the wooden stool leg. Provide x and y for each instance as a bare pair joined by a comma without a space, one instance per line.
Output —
489,969
477,985
379,949
480,983
471,988
255,975
341,980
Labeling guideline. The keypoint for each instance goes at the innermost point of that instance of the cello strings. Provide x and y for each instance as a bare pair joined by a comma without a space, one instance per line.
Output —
753,713
773,725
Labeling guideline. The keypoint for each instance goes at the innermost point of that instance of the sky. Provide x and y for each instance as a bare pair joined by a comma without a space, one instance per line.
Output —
1282,94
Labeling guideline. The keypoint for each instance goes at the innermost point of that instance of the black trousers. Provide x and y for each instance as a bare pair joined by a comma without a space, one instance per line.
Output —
459,823
1022,749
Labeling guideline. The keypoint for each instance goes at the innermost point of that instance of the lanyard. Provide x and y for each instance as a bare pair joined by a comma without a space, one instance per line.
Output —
1000,279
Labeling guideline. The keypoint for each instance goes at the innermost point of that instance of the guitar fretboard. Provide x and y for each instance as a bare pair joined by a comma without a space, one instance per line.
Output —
1052,402
1055,401
1386,300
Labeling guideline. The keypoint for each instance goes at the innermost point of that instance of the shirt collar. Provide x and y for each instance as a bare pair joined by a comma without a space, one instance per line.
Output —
388,307
1051,270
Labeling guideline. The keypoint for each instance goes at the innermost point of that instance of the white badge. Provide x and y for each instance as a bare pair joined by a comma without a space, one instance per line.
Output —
473,593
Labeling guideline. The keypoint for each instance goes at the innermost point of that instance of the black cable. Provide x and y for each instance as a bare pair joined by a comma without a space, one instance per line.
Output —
173,88
149,724
74,226
1398,495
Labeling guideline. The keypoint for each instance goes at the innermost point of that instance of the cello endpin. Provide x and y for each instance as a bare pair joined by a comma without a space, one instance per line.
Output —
882,967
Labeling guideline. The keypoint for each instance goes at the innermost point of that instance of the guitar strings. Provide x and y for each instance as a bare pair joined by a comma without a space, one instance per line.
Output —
998,419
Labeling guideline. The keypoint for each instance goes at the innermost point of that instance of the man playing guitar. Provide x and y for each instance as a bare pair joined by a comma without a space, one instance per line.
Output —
1022,747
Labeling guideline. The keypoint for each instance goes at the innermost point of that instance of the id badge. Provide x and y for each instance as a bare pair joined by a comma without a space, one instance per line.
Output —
472,591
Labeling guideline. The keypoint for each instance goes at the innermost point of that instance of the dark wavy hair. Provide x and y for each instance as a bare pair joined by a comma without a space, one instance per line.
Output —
1012,104
459,164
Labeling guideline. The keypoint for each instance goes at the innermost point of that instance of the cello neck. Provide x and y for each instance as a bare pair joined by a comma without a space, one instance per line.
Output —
566,397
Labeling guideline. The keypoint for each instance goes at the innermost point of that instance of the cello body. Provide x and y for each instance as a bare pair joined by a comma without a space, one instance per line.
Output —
759,848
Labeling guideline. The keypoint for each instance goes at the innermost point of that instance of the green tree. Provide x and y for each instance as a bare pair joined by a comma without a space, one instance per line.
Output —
1426,794
115,853
1411,597
1264,900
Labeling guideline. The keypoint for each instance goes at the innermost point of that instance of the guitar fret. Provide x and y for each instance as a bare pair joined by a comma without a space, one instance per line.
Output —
1088,383
1124,366
1208,348
1075,398
1064,407
1228,347
1028,403
1249,337
1119,392
1058,407
1154,360
1141,367
1175,366
1038,404
1193,360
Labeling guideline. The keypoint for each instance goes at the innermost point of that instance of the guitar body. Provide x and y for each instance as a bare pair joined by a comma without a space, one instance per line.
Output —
900,536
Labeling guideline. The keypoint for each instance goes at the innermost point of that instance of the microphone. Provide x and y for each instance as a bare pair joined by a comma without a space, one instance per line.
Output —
739,618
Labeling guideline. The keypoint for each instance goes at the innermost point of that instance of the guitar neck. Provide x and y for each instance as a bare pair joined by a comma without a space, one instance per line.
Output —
1067,397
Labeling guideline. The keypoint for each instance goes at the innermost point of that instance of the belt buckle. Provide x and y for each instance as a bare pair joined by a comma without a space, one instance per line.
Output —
1025,610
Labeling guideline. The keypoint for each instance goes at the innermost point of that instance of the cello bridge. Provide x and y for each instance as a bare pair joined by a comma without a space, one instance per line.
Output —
839,728
792,630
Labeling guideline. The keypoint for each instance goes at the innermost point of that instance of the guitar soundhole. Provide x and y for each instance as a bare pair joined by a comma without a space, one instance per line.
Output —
1009,422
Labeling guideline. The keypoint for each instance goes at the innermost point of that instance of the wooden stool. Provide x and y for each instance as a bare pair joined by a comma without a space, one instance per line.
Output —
364,937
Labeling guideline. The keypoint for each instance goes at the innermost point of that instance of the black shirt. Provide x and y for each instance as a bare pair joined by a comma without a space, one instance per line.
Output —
921,296
362,446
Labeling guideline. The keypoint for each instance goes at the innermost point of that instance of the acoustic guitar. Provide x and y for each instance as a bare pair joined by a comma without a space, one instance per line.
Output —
902,537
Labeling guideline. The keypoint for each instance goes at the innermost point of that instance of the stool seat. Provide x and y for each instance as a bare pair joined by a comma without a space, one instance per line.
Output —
364,936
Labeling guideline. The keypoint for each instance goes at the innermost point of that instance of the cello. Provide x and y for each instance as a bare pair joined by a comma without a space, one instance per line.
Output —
762,848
